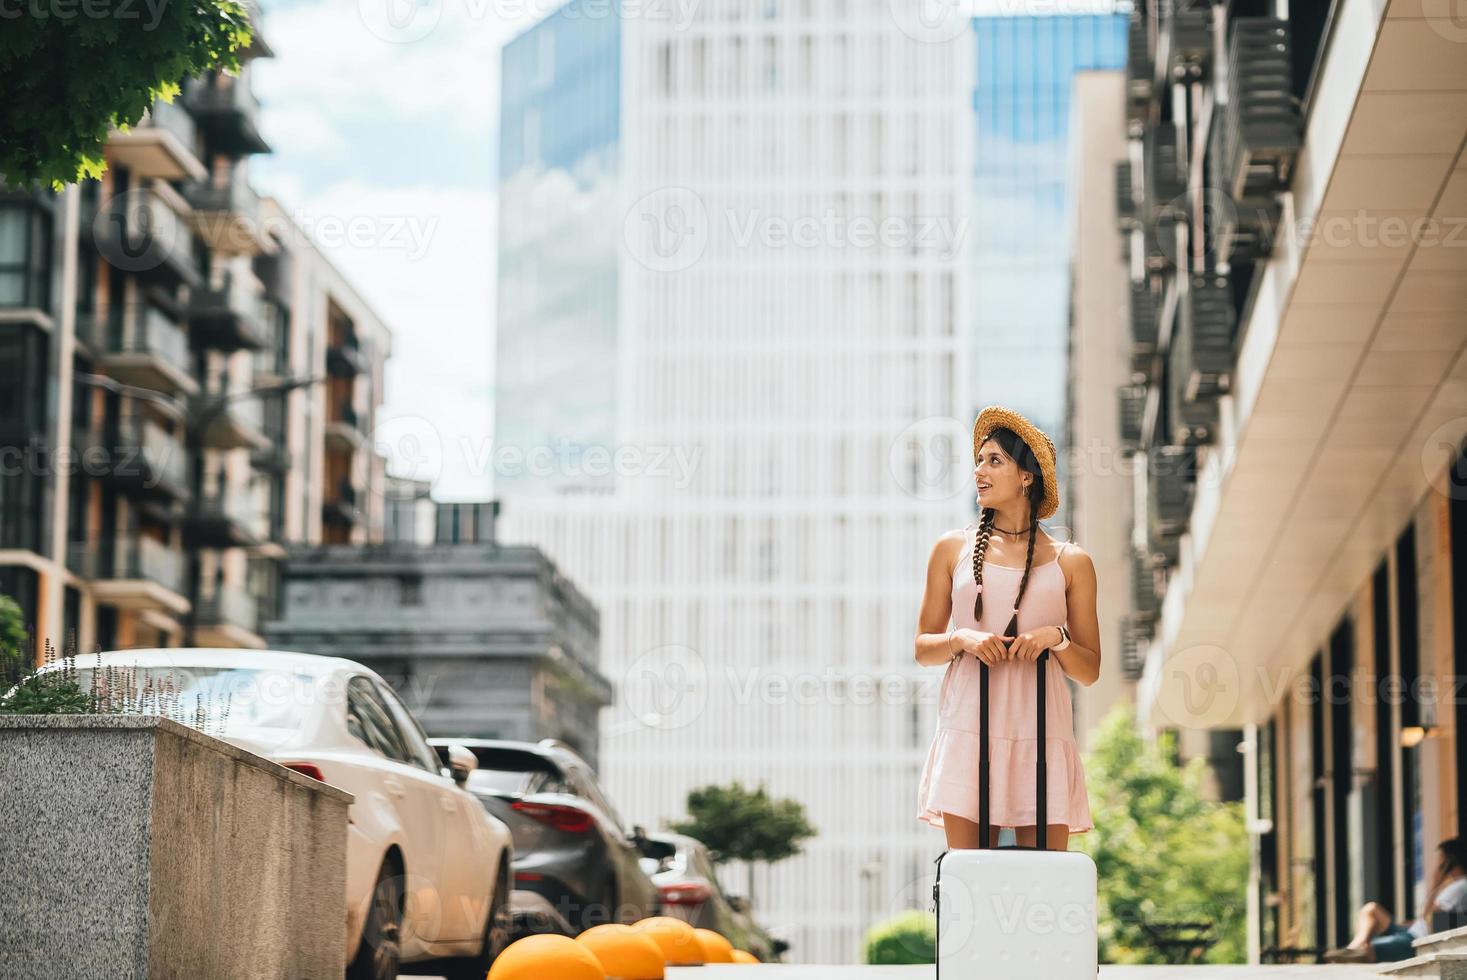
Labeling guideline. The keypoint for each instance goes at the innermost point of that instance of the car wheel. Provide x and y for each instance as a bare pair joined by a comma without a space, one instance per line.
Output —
380,952
496,937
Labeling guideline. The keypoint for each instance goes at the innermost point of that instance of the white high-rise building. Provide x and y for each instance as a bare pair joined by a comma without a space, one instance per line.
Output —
776,374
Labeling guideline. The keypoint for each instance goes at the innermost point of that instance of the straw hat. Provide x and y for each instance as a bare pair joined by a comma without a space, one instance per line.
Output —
996,416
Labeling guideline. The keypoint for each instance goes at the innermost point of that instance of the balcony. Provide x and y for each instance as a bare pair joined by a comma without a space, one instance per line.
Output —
227,112
228,618
1144,598
140,345
1138,68
1131,406
1208,323
276,271
346,360
1134,635
343,430
341,510
228,316
1260,125
272,360
237,423
1171,476
140,232
1144,327
1186,35
164,144
146,458
223,519
1125,197
226,213
136,573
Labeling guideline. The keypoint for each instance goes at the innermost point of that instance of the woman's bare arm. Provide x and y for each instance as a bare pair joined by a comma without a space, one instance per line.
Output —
1081,659
933,645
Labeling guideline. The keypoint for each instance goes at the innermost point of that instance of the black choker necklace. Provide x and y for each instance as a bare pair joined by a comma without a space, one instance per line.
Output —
1003,530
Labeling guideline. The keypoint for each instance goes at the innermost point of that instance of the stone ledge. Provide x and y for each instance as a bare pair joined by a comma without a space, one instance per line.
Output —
176,729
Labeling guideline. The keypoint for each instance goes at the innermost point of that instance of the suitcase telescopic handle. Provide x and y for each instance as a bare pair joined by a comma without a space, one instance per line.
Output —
1041,816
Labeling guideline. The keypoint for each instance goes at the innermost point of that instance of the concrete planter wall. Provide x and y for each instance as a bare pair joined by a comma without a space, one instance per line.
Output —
136,847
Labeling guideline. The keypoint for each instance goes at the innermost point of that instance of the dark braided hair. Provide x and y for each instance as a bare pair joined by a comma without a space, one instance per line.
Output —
1019,450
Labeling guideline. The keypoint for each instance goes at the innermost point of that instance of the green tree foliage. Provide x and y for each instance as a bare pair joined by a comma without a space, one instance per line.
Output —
1164,853
910,937
739,824
70,70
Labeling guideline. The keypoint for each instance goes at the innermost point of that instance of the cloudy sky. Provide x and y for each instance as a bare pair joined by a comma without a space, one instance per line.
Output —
383,117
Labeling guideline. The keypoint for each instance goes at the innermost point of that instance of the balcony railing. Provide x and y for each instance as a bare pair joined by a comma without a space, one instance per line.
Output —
233,194
229,314
138,558
135,329
148,455
1171,476
229,606
1131,402
139,232
223,519
1187,25
1138,67
228,111
345,359
1261,125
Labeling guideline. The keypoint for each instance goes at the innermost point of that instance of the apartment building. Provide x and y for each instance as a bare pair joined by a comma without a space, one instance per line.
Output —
1291,203
185,384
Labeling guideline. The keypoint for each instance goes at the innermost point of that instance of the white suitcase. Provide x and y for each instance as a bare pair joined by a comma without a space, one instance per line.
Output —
1015,912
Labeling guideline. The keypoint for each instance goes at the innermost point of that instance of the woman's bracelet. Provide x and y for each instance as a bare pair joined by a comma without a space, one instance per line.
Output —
951,655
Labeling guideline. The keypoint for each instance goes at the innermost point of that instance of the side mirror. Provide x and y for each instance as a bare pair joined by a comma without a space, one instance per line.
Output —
461,762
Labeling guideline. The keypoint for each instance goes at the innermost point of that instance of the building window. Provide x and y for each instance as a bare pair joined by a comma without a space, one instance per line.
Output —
25,239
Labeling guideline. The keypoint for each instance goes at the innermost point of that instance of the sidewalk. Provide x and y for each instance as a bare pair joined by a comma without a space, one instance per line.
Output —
775,971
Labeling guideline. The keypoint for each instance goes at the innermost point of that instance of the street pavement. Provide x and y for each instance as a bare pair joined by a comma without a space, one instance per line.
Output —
787,971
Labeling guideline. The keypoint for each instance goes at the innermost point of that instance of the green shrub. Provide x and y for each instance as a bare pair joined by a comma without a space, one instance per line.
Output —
907,938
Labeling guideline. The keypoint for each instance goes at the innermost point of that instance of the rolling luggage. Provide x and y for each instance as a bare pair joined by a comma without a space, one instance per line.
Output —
1014,911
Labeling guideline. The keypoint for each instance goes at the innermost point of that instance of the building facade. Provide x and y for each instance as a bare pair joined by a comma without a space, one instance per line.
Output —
185,384
1299,353
479,640
778,373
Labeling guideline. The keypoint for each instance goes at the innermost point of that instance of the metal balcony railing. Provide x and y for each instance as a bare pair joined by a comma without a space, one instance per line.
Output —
229,606
1138,67
147,453
1144,597
1261,124
137,558
232,194
138,231
1131,402
1125,197
135,328
173,118
1187,25
229,313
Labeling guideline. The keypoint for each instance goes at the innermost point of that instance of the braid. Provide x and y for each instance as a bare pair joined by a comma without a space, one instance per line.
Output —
1013,628
980,545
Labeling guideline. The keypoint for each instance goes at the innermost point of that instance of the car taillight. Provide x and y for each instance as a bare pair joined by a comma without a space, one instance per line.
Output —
566,818
307,769
528,876
686,893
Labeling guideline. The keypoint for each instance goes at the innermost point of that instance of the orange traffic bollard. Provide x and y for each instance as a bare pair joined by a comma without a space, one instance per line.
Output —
625,953
679,946
538,957
716,949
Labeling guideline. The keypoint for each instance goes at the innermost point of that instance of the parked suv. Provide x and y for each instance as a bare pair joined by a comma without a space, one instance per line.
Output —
570,845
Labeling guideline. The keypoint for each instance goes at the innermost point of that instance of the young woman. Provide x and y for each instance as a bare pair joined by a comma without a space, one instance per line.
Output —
1378,939
1005,578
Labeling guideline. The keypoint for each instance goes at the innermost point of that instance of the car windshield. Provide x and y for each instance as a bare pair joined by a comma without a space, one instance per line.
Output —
498,780
270,705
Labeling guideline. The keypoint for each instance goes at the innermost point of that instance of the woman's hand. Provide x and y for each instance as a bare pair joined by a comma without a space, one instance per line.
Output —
987,647
1028,646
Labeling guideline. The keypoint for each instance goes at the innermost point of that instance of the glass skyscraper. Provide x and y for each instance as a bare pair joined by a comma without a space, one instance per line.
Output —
559,239
1025,68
